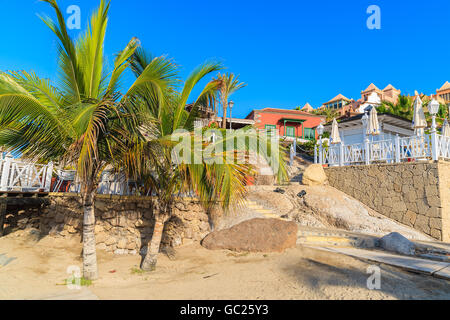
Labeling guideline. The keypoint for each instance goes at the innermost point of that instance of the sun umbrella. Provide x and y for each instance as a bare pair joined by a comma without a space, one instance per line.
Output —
373,127
446,129
335,138
419,120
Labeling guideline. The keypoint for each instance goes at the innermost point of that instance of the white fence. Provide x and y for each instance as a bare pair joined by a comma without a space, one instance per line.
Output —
21,176
416,148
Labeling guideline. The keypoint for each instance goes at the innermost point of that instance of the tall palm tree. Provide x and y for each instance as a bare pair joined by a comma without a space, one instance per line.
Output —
329,113
403,108
152,155
229,84
83,119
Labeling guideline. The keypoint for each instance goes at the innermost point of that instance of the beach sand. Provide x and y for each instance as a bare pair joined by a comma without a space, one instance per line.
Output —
40,267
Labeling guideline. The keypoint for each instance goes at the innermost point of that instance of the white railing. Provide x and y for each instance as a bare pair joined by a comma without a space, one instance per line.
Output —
22,176
443,145
382,150
416,148
354,154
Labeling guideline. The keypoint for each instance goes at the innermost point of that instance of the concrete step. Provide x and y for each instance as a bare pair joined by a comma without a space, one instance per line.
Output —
267,213
429,267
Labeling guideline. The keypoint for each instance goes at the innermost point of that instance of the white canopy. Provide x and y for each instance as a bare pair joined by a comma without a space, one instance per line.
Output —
335,138
373,127
446,129
419,120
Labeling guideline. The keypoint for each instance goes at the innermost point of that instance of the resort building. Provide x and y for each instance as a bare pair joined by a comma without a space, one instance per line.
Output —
341,104
307,108
352,130
443,94
337,102
287,123
372,101
389,94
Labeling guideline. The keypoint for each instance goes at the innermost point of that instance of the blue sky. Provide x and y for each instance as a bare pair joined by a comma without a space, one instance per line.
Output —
288,52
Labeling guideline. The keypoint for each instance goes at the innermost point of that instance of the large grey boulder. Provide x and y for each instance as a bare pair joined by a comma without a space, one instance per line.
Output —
314,175
256,235
397,243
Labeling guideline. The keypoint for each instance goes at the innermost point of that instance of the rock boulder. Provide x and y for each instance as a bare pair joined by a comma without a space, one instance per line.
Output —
314,175
256,235
397,243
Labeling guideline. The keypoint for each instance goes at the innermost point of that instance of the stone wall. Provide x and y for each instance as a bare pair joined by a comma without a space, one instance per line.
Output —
415,194
444,191
124,224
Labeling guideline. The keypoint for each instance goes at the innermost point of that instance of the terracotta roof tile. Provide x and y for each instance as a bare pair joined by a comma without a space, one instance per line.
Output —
445,86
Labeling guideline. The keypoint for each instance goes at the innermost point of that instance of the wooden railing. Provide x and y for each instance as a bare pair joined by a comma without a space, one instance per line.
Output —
17,175
415,148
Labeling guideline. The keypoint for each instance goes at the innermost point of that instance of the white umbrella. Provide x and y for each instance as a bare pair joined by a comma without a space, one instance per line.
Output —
419,120
373,127
446,128
335,138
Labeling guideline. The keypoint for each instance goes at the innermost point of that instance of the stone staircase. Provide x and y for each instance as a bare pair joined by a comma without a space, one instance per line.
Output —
335,237
295,172
261,210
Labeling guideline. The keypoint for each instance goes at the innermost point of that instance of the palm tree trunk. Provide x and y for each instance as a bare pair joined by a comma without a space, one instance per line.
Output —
224,118
90,269
151,258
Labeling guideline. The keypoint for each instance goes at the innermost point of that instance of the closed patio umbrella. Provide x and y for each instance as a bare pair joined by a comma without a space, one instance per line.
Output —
446,129
373,127
419,120
335,138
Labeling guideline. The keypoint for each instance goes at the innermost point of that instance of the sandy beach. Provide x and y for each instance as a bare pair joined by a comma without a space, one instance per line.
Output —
40,267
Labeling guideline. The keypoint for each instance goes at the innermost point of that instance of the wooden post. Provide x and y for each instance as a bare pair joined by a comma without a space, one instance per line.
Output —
397,149
3,202
341,154
434,146
48,177
315,154
5,173
321,152
367,148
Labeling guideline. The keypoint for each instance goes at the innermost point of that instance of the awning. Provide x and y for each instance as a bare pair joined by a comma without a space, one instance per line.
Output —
292,120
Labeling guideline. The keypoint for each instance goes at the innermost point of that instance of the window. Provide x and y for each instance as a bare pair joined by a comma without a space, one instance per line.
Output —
290,132
271,130
310,134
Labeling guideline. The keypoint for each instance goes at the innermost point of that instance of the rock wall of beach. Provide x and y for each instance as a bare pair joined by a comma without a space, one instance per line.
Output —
415,194
124,224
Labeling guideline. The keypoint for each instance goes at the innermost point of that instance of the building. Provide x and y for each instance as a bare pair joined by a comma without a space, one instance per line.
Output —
287,123
307,108
352,131
372,101
443,94
337,102
341,104
389,94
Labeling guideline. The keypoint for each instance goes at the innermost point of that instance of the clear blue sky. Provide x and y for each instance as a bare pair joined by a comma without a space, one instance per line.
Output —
288,52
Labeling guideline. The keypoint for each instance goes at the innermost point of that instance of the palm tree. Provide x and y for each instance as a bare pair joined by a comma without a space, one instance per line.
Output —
229,84
328,112
152,155
403,108
83,120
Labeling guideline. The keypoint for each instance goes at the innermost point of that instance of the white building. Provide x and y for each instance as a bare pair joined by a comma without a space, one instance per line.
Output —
372,101
352,131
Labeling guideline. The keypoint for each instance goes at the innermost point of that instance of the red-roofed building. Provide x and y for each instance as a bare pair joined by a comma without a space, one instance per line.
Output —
287,123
